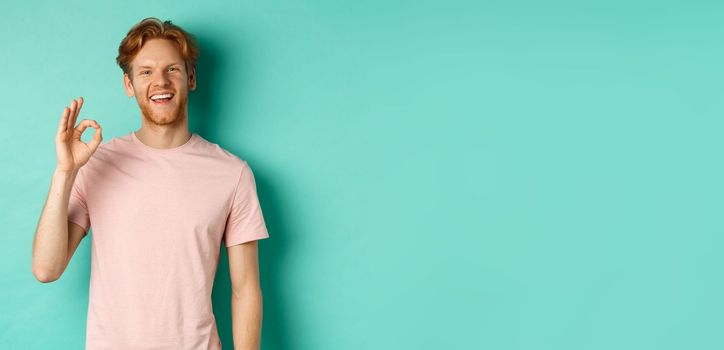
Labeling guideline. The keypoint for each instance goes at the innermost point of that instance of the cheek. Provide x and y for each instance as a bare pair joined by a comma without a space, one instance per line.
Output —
139,89
181,81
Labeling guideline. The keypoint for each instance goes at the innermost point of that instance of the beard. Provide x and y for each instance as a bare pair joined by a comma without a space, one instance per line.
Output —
165,117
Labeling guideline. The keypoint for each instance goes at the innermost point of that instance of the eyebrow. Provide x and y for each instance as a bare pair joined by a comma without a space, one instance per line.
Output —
172,64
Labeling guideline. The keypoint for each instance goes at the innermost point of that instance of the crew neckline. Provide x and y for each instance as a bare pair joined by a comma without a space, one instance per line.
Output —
137,141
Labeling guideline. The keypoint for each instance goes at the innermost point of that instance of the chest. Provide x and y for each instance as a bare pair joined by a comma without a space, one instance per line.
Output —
159,196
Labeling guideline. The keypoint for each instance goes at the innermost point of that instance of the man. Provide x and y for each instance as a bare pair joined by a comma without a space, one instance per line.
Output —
160,200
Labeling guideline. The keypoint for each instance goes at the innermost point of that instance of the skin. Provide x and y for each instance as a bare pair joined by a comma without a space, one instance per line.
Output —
56,238
157,67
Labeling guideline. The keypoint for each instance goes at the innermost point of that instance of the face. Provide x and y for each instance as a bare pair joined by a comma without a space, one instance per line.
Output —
158,70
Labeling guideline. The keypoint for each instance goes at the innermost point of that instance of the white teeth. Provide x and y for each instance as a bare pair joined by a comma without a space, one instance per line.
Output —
156,97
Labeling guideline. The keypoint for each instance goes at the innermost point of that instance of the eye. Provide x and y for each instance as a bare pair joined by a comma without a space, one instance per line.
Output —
174,68
144,72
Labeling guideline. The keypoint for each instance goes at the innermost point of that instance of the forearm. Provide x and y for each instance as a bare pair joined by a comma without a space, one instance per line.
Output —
50,245
246,318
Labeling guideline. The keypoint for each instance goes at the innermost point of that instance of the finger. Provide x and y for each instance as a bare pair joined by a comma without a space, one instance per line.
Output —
71,121
62,126
78,107
97,138
84,124
71,118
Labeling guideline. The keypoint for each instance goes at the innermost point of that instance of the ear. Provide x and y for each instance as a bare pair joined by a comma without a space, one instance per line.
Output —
128,85
192,79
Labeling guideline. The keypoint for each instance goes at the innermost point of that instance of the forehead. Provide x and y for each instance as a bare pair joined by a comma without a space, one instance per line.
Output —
158,52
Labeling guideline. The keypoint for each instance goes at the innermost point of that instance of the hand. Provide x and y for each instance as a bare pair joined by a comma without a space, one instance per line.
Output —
71,151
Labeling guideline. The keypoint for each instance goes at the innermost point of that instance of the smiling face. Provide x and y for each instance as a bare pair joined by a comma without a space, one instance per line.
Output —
159,81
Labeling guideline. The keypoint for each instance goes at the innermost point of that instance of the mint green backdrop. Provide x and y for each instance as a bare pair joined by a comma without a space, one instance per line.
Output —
435,175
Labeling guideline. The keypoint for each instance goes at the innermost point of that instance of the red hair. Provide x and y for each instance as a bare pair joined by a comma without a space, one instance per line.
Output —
153,28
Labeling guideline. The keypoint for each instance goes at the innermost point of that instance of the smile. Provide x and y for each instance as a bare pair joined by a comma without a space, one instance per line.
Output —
162,98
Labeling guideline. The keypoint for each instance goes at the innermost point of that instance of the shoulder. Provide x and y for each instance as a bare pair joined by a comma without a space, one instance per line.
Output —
114,145
107,150
220,155
103,157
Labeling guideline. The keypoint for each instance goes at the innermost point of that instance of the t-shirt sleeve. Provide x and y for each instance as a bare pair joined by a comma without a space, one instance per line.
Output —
245,221
77,206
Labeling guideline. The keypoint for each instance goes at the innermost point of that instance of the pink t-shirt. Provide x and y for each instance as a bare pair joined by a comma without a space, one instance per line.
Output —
159,217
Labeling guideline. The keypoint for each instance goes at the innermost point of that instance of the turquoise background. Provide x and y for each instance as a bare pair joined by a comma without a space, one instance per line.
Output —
434,175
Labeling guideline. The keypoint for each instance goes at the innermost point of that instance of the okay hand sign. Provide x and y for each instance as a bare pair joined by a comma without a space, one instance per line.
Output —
71,151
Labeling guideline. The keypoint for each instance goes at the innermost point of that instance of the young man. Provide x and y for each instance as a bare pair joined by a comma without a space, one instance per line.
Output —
161,201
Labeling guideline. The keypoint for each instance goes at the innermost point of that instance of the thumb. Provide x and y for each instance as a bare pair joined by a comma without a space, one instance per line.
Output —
97,138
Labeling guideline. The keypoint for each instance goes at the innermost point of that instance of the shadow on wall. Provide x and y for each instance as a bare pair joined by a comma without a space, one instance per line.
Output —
205,108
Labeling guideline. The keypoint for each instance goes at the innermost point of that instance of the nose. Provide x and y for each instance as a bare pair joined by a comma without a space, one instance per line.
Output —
161,79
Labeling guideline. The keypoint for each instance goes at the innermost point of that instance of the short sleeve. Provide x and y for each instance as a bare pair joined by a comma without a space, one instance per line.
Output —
245,221
77,206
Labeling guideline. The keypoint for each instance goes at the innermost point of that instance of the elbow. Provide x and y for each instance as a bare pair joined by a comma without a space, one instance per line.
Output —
44,275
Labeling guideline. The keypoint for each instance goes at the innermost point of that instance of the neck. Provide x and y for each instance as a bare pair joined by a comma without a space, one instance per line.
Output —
163,136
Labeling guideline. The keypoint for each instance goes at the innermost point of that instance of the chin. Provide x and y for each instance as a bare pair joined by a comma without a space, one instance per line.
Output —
171,117
174,118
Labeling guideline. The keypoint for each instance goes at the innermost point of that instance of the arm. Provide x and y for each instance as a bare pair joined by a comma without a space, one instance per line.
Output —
246,299
56,238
